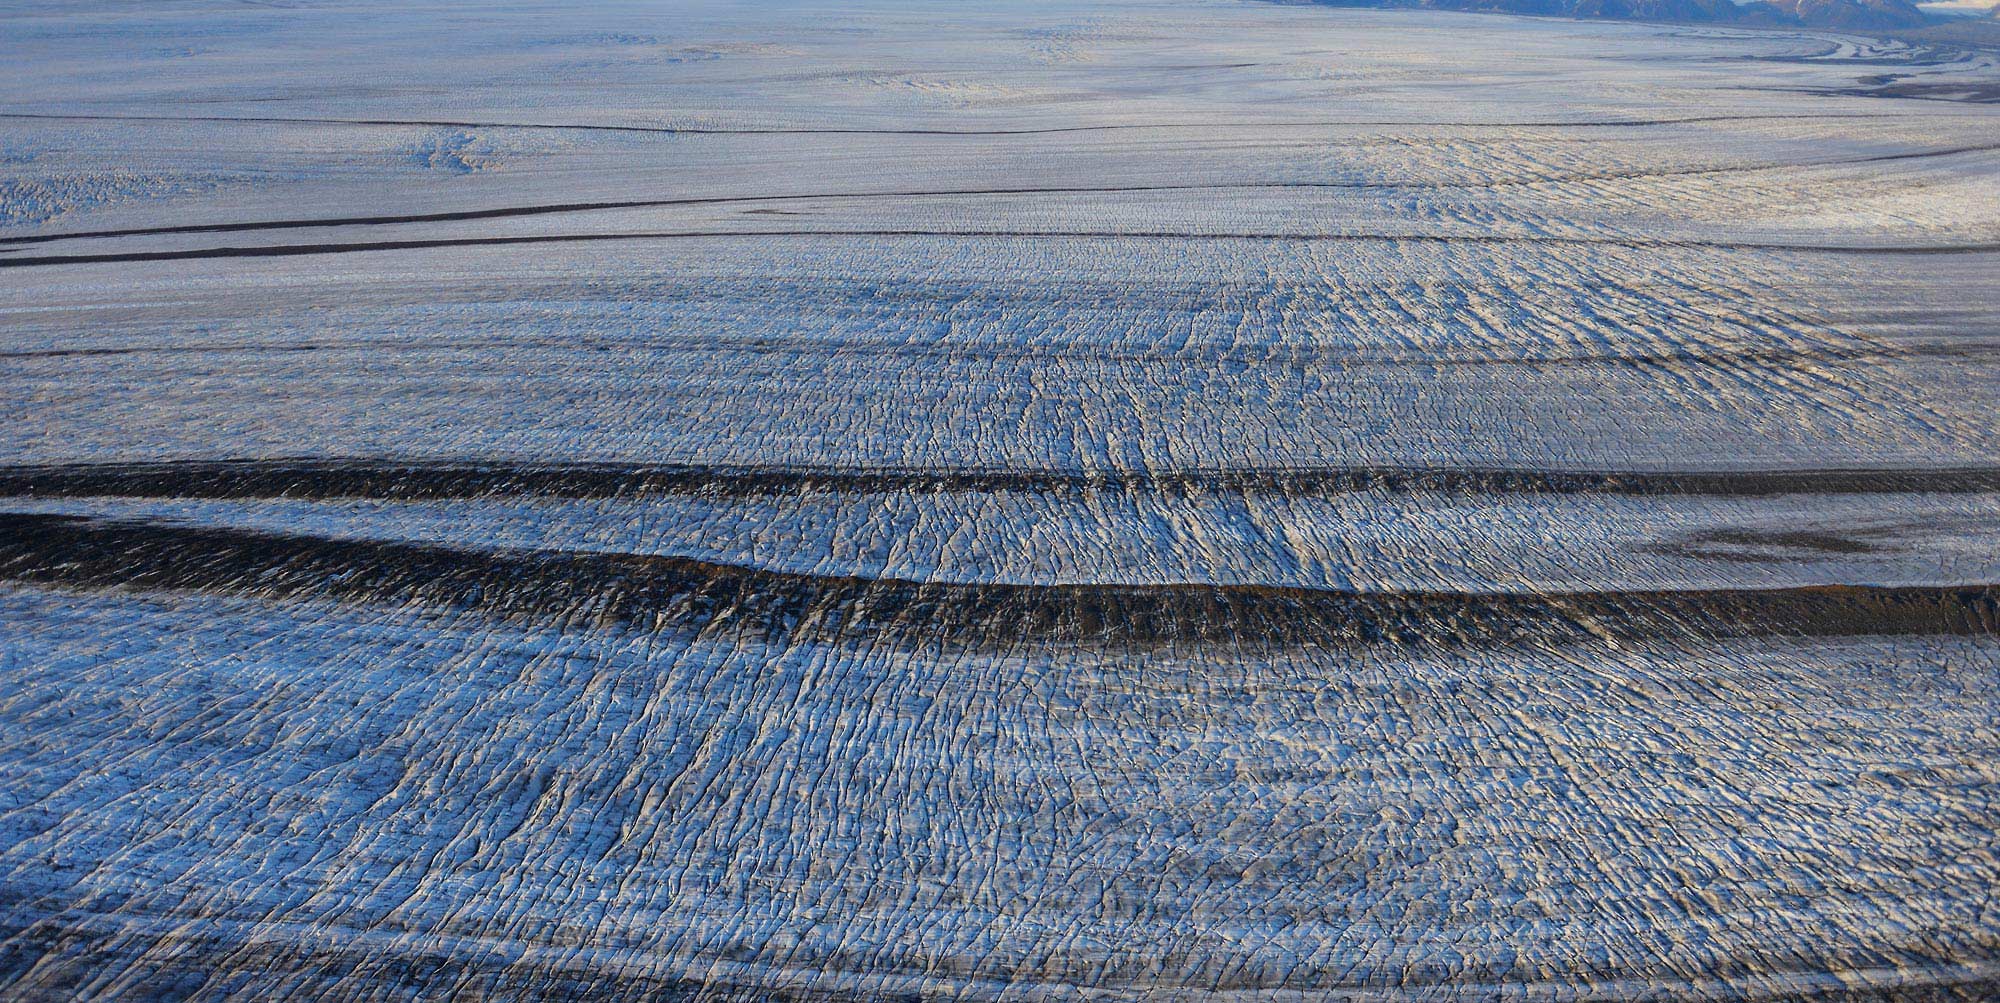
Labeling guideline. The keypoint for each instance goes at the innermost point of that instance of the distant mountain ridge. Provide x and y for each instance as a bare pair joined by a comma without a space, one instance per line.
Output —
1849,14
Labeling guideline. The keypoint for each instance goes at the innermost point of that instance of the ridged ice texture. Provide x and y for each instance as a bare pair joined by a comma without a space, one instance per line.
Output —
1043,500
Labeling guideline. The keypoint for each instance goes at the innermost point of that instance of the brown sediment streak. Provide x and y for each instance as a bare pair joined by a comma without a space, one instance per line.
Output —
299,250
1343,356
651,592
555,208
419,479
864,131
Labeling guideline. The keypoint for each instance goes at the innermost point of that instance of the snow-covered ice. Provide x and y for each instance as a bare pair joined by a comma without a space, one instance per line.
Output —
1053,499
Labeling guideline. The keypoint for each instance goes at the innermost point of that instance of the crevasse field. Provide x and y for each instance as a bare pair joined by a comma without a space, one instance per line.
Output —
1036,500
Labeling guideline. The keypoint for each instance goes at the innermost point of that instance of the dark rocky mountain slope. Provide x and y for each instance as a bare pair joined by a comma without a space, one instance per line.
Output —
1848,14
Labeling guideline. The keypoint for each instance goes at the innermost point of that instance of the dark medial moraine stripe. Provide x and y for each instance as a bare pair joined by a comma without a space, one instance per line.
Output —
673,593
418,479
